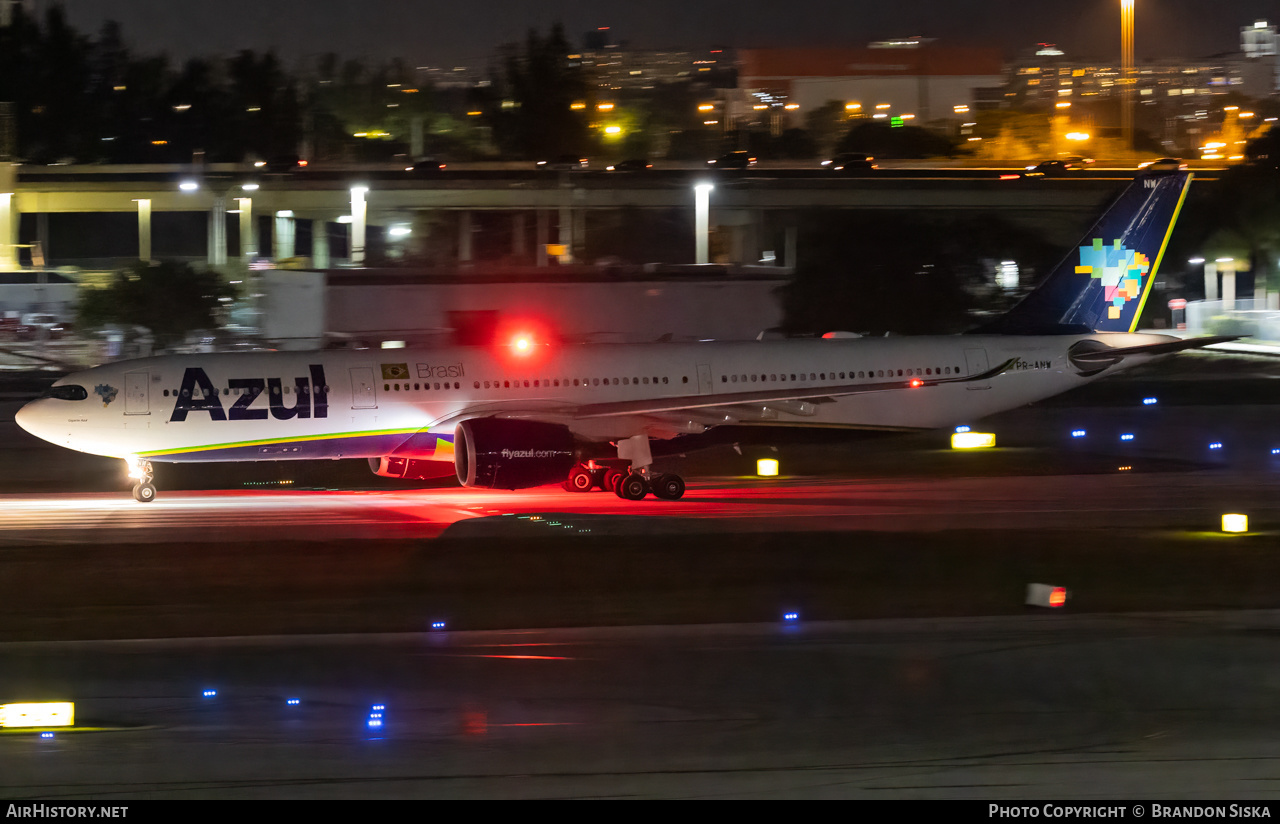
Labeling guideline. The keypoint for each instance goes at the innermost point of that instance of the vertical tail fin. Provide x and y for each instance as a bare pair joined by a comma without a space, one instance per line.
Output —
1103,283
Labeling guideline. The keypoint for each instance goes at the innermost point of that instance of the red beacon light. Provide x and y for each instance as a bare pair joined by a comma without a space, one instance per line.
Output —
522,344
916,382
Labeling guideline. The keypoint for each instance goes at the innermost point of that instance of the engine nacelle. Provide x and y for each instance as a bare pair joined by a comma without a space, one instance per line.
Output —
507,454
410,469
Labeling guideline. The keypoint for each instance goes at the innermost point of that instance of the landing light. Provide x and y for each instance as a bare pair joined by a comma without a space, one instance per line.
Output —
973,440
767,467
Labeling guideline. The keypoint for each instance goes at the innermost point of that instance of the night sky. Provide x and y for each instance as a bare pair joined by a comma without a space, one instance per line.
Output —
465,32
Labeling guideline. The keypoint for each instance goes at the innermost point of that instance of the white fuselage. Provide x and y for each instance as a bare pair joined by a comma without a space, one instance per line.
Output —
352,404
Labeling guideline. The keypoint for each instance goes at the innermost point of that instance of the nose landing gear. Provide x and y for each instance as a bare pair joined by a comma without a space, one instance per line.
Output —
144,491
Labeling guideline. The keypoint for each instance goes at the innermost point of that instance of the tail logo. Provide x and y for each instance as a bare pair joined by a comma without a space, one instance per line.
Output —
1120,269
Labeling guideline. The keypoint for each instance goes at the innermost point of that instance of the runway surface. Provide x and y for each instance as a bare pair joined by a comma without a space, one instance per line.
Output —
1193,500
1142,706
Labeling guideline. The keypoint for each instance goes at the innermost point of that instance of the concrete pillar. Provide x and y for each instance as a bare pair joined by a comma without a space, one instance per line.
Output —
578,251
144,229
283,236
217,249
40,252
517,235
1211,281
359,213
701,222
1259,290
791,250
320,244
465,235
8,232
1228,287
543,236
248,231
565,235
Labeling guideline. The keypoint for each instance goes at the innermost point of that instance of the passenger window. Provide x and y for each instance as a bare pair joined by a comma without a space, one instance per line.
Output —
595,381
664,380
615,381
386,387
626,381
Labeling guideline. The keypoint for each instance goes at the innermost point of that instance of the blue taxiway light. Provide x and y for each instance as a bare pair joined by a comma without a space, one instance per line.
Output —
293,702
46,735
791,616
437,624
1126,437
962,429
377,707
210,693
1148,401
1077,433
1215,445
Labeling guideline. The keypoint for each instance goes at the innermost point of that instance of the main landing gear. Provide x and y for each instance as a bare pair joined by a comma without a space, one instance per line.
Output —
144,491
628,477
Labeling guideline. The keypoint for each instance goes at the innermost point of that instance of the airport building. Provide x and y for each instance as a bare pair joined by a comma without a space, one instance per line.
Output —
912,78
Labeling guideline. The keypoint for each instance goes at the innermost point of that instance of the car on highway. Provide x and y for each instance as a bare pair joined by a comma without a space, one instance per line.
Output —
426,166
850,162
564,163
734,160
634,164
1164,164
1052,168
282,163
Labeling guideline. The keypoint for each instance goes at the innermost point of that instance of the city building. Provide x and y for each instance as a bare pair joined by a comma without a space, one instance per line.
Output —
911,78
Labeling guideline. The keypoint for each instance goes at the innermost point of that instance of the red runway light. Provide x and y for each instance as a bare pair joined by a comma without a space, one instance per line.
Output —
1058,597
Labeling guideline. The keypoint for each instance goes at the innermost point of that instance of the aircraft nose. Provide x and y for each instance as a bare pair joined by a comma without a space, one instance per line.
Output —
28,417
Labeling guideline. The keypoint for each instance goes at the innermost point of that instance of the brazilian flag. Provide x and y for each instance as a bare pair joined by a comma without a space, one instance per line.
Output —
395,371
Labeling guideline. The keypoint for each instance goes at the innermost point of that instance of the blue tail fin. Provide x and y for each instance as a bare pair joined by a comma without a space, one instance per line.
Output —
1103,284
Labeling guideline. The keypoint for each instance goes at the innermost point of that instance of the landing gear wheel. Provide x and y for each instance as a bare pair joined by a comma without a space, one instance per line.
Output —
633,487
611,480
668,487
144,493
580,480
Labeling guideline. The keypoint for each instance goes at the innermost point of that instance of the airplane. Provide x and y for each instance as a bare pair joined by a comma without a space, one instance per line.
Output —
527,412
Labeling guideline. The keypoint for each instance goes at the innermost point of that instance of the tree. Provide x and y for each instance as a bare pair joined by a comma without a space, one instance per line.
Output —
170,298
530,112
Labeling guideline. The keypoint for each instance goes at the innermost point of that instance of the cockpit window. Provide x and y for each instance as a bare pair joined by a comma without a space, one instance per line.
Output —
67,392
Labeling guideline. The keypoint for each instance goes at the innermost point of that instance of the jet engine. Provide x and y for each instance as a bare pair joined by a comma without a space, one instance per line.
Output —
410,469
512,454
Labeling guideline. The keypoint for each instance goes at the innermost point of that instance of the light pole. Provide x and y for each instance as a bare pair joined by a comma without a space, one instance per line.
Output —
1126,73
701,220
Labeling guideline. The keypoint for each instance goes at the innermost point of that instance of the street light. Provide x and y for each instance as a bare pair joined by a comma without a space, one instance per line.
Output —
701,221
1126,73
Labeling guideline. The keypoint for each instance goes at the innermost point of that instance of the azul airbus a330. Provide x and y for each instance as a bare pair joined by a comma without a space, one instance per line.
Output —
526,414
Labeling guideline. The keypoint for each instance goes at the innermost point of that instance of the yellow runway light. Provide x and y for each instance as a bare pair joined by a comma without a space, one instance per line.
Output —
767,467
973,440
1235,523
45,714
